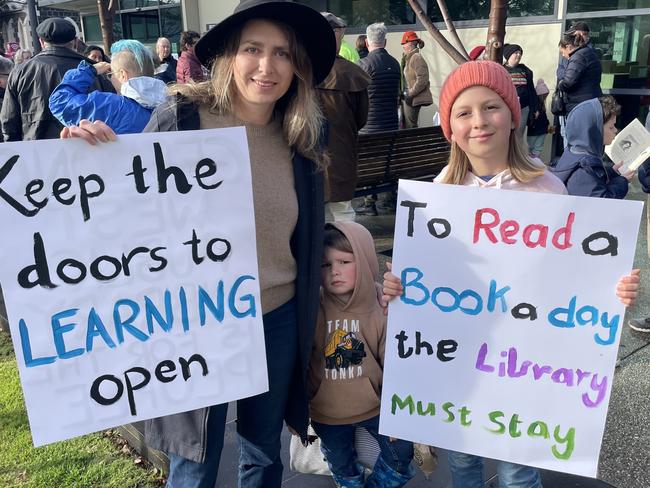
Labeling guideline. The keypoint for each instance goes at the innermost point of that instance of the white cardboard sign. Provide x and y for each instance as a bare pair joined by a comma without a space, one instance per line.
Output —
505,340
130,276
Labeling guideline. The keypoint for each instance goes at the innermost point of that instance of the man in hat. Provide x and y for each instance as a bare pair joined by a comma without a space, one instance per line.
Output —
344,49
25,114
344,98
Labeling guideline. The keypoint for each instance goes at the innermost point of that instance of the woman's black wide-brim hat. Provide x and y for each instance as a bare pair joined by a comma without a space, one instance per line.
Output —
310,27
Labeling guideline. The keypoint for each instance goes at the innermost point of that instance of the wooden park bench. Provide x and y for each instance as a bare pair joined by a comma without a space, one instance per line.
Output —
385,157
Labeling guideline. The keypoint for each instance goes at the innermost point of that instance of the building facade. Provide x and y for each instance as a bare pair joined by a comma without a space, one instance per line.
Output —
620,31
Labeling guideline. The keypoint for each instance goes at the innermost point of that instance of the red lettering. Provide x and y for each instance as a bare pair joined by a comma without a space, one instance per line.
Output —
564,232
478,224
541,236
508,229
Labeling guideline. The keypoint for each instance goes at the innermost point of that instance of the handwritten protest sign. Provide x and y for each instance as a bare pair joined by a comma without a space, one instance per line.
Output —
504,342
130,276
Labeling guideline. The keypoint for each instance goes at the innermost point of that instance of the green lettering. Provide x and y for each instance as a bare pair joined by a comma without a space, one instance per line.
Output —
493,418
450,415
431,409
402,404
569,439
513,427
538,429
464,413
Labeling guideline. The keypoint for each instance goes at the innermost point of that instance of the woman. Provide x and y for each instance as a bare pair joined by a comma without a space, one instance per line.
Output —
416,74
580,79
97,54
522,77
189,68
266,59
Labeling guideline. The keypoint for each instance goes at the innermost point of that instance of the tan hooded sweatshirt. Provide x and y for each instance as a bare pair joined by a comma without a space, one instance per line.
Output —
346,366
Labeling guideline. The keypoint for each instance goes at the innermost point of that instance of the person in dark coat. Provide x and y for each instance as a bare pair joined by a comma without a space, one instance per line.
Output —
383,92
580,79
25,114
344,98
590,126
166,72
188,67
522,77
362,49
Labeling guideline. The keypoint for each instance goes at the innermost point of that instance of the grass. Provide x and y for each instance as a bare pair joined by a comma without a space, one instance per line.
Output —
85,462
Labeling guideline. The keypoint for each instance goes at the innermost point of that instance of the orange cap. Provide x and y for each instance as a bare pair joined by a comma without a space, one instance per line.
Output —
477,73
409,36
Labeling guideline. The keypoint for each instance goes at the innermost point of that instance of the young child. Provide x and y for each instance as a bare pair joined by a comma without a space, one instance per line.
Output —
522,77
126,112
538,126
345,372
479,113
590,127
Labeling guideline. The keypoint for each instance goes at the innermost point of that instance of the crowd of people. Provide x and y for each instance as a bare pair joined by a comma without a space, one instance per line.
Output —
283,71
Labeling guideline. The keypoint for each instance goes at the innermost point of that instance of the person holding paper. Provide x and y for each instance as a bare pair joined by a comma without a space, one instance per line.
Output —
266,58
479,114
351,337
589,127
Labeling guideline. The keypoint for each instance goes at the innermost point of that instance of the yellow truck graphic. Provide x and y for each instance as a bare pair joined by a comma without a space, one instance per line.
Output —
343,349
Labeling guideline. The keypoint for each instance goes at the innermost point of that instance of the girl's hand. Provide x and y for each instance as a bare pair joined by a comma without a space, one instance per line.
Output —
628,175
392,287
292,431
627,288
91,132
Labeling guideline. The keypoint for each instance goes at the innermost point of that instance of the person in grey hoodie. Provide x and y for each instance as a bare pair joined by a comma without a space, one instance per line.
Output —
590,127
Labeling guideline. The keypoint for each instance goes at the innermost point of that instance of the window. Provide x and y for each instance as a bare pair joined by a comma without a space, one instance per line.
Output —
142,26
131,4
171,24
93,30
360,13
578,6
480,9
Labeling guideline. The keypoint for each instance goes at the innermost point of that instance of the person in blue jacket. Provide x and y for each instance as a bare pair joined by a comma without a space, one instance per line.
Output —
589,127
126,112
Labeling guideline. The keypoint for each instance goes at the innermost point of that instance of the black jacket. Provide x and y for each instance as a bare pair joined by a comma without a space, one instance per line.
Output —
383,92
25,113
581,78
183,433
168,75
526,93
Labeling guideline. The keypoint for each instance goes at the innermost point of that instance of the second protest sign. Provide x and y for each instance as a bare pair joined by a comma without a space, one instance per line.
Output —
504,342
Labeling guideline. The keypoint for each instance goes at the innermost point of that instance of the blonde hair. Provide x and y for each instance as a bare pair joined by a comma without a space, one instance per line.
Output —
522,168
302,118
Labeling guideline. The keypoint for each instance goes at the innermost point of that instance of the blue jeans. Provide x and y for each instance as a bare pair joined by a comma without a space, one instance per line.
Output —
467,472
392,469
259,418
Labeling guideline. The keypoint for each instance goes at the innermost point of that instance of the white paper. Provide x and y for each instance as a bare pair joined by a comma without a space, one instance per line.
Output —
136,221
544,276
631,145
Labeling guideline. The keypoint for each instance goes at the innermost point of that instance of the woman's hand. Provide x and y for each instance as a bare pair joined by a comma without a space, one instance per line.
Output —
91,132
392,287
627,288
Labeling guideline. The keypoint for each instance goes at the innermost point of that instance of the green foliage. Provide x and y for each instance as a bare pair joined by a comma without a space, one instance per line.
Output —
85,462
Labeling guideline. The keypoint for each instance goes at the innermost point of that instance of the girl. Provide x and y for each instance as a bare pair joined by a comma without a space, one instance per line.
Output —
479,113
416,74
522,77
265,60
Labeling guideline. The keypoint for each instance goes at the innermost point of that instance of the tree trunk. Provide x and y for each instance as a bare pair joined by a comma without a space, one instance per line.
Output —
106,10
452,29
435,33
497,30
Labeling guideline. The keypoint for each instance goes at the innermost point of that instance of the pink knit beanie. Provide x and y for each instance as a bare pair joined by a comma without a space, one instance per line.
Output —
482,73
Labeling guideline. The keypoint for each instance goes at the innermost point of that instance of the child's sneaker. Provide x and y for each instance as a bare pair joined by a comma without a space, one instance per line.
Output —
640,325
